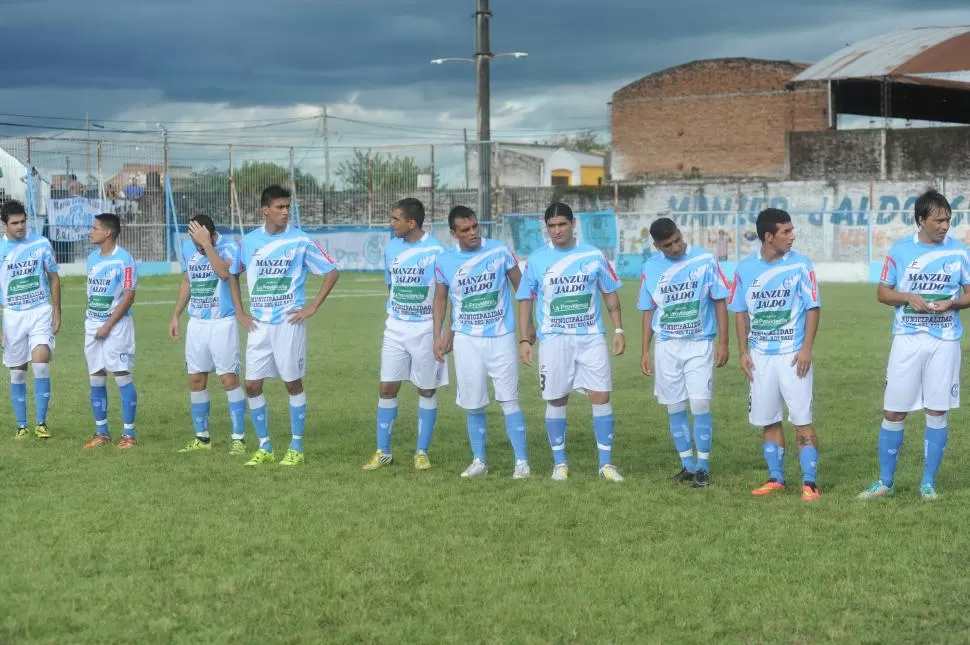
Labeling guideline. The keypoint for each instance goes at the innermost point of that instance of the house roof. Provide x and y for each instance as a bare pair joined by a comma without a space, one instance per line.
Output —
545,152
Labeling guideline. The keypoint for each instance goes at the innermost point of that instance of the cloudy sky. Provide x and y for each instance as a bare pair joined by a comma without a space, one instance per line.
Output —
225,70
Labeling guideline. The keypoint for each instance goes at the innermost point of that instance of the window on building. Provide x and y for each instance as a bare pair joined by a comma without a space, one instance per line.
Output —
560,181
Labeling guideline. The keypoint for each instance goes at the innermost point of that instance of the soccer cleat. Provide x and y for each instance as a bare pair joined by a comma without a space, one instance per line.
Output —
767,488
522,470
197,445
560,473
684,475
261,457
927,492
22,433
702,479
127,442
877,489
476,469
293,458
610,473
379,460
42,432
421,461
237,447
810,493
98,440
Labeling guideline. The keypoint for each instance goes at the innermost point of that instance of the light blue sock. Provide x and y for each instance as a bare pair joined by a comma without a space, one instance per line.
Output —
297,420
603,429
42,390
18,396
99,403
427,415
808,457
680,433
386,415
477,427
260,417
934,443
237,412
703,431
515,428
775,456
129,403
890,442
556,429
200,414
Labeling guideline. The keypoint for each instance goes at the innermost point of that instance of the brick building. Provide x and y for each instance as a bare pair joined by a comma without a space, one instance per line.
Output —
721,117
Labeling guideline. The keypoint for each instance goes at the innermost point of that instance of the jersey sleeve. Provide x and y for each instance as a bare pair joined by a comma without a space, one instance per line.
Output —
129,281
719,285
244,255
510,260
965,269
317,260
645,299
387,267
608,280
441,272
809,287
529,285
888,275
50,260
736,302
231,253
183,258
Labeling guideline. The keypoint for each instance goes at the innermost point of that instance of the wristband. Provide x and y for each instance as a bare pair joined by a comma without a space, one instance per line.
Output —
618,330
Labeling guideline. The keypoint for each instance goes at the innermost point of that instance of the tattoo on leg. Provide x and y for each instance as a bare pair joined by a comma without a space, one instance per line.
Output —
807,440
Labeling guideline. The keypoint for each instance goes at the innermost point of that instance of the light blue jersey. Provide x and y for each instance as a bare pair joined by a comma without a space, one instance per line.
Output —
777,297
209,297
683,292
109,276
409,272
23,274
276,268
478,287
566,284
934,271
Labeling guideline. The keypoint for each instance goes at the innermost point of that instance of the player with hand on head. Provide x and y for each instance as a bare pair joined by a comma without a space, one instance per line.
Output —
212,335
682,296
926,279
562,283
276,258
31,293
776,302
474,276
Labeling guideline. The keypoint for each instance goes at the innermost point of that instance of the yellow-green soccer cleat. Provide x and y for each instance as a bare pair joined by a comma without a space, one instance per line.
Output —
379,460
421,461
292,458
237,447
22,433
261,457
42,432
197,445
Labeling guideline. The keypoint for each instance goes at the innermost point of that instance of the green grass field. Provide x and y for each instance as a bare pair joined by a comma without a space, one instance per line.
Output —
150,546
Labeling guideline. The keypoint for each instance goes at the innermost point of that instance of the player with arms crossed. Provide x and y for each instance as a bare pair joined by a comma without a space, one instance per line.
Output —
565,279
475,276
109,330
682,296
212,335
31,291
775,297
276,258
926,278
407,352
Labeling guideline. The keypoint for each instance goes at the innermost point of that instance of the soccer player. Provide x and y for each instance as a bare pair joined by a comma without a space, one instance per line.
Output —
276,258
926,279
776,302
212,336
565,279
407,352
475,276
109,331
682,296
31,292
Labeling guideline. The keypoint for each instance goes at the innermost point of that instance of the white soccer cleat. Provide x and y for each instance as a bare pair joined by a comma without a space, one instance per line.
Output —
522,470
475,469
560,473
610,473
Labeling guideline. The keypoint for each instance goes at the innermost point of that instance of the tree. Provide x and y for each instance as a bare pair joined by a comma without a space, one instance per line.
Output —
587,141
253,177
382,173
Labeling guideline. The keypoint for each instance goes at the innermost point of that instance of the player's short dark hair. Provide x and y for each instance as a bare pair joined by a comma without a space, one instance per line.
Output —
272,193
459,212
926,204
558,209
11,207
205,221
768,221
112,222
663,229
412,209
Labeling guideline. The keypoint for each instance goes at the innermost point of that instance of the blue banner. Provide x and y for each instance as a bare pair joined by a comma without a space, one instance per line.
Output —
71,219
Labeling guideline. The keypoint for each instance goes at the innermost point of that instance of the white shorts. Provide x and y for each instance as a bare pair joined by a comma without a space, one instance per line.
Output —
116,353
923,372
775,386
276,351
572,362
479,358
407,354
212,346
25,330
683,369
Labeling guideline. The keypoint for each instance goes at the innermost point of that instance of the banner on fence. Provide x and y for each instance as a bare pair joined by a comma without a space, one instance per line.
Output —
70,219
526,232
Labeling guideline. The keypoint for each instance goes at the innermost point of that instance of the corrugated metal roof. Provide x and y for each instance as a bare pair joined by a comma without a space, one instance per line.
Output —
883,55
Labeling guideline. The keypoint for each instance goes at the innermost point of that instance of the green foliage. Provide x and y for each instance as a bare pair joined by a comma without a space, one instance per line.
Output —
382,173
252,177
587,141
